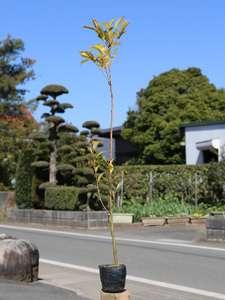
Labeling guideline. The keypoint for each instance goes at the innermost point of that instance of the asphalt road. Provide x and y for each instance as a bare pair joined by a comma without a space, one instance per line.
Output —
183,258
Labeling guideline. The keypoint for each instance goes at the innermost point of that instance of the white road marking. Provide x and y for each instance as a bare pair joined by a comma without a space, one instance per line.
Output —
109,238
140,280
70,266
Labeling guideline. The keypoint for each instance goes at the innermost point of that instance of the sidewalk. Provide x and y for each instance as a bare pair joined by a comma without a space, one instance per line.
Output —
12,290
62,283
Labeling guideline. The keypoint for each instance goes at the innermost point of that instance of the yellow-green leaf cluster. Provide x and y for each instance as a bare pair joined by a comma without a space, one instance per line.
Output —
110,37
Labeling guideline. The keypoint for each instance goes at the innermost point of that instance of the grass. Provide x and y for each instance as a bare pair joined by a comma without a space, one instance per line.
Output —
3,215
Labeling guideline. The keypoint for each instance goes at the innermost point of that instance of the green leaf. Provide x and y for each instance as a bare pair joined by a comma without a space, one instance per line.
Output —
101,33
96,24
106,25
107,64
99,48
84,54
90,149
91,186
85,60
117,176
118,22
100,57
111,36
99,29
106,35
99,154
100,176
89,27
111,22
114,53
116,43
123,27
87,54
95,144
119,185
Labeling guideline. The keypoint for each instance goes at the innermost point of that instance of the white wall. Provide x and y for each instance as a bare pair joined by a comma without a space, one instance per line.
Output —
198,134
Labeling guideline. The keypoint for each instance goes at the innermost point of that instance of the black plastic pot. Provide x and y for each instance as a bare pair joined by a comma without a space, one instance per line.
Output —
113,278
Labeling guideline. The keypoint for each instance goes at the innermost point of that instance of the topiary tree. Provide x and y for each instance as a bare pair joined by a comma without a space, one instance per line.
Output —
56,125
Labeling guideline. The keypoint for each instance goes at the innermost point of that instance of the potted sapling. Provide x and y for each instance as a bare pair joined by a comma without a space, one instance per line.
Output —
113,276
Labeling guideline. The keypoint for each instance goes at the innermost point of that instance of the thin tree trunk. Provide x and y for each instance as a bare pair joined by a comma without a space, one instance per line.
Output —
196,190
112,106
52,167
111,155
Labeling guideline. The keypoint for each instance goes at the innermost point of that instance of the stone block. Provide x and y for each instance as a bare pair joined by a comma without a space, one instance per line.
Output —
118,296
62,218
19,260
215,234
215,223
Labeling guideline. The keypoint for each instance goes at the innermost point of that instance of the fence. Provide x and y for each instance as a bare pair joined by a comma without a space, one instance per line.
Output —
205,186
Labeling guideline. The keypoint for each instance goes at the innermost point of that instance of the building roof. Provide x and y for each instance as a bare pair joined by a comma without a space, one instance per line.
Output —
182,127
204,123
116,131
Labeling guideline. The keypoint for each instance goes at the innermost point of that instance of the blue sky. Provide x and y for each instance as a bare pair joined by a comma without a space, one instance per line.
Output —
163,34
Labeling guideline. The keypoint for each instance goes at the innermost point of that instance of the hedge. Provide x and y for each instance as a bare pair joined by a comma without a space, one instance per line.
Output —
167,180
61,198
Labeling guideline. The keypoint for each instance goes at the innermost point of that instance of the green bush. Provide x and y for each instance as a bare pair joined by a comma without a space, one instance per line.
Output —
37,194
24,174
5,175
61,198
3,188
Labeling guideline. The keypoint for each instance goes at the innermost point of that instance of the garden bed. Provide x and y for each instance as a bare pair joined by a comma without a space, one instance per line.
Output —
197,221
122,218
177,220
153,221
172,221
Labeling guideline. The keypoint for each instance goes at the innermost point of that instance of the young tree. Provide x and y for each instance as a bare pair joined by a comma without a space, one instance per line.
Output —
170,99
103,60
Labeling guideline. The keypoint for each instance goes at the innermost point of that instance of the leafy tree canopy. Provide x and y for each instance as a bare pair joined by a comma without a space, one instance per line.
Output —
172,98
54,90
14,72
16,123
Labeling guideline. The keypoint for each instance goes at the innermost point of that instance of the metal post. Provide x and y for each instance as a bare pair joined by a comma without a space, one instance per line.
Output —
150,188
196,190
121,199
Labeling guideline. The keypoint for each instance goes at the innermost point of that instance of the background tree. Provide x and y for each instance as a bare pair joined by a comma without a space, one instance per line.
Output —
14,72
170,99
15,121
